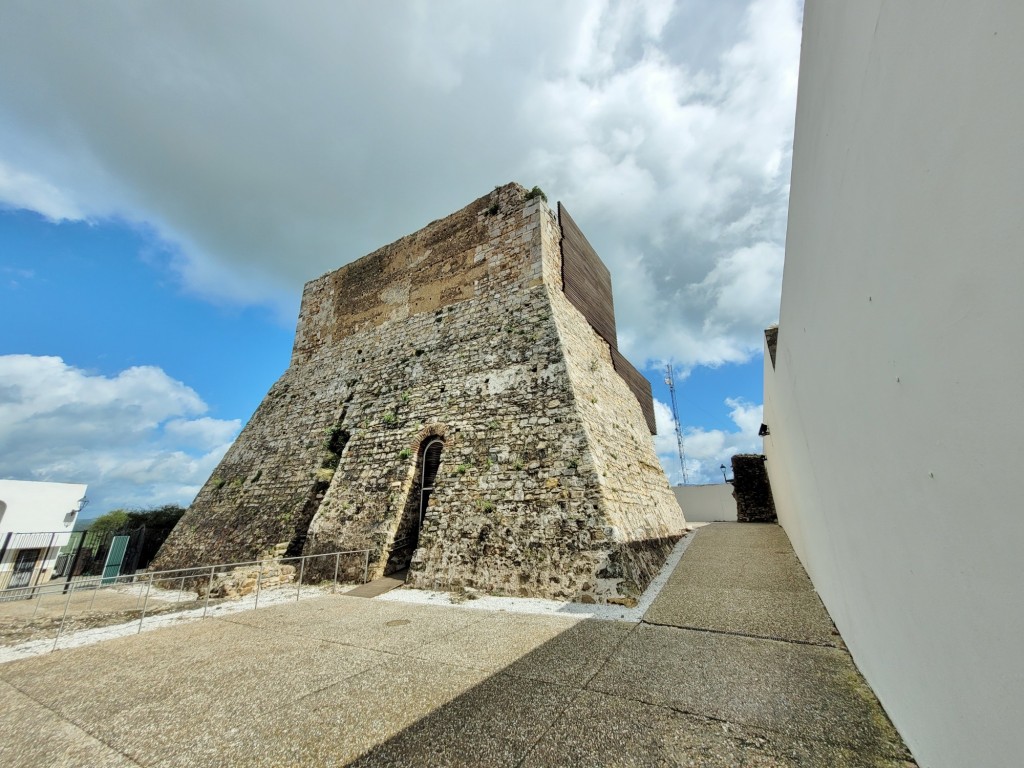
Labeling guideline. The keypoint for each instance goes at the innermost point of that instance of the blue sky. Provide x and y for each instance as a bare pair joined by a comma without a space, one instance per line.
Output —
170,176
103,297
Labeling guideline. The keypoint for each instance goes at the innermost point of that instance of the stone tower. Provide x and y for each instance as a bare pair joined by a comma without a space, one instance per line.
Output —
456,403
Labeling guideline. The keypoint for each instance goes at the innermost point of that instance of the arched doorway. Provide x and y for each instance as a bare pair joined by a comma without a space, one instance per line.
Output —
428,473
428,462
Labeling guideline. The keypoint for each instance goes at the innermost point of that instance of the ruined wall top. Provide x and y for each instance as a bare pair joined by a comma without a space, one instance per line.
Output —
444,263
459,258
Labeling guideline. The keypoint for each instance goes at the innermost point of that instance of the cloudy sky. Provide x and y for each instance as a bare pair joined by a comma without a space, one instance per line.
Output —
172,173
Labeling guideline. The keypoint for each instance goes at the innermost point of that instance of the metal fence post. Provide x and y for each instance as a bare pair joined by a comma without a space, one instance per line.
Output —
209,589
60,629
259,578
145,603
38,601
366,568
96,589
302,571
337,562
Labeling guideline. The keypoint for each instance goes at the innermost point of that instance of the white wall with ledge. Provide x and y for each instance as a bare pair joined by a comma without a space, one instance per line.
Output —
894,402
706,503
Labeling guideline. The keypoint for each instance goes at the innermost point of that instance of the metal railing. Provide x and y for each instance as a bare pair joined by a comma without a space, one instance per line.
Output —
321,570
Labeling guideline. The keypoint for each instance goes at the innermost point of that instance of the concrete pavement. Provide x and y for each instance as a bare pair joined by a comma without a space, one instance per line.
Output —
744,578
341,680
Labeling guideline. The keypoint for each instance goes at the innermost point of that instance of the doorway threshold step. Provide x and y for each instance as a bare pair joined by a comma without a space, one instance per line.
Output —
379,586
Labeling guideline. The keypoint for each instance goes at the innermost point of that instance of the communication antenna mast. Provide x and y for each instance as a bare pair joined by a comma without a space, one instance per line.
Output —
669,379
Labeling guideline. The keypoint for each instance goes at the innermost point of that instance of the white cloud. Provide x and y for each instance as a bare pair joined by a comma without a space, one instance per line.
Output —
203,433
268,146
23,190
680,174
138,438
707,450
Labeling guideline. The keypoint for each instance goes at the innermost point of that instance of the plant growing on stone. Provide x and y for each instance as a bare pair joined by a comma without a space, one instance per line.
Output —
405,453
517,464
535,193
389,418
462,469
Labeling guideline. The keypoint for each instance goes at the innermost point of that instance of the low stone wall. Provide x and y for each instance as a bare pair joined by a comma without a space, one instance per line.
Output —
242,581
753,492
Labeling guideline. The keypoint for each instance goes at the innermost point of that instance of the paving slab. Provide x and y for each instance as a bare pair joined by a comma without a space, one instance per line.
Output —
744,578
495,640
31,735
573,656
800,691
717,566
424,744
496,723
331,726
761,536
769,614
597,729
377,625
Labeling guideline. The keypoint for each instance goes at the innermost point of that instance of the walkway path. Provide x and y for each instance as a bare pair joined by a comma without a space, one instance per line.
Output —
339,679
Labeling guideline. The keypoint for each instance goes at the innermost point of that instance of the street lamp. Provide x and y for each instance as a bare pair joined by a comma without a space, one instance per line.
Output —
724,480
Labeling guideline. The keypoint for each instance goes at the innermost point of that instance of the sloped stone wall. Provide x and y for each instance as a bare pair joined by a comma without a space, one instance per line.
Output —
640,515
548,483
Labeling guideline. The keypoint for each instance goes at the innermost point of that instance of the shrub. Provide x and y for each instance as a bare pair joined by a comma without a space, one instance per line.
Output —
536,192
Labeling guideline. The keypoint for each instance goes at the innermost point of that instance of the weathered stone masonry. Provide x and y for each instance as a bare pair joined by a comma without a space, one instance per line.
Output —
548,483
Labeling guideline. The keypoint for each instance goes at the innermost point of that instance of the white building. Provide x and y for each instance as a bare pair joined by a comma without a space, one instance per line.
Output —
36,520
896,434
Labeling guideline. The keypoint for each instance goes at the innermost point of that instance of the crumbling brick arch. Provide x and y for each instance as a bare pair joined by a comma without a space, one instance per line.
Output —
426,434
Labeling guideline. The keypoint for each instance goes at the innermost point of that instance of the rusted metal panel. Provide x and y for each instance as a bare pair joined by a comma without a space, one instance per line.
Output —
640,386
587,283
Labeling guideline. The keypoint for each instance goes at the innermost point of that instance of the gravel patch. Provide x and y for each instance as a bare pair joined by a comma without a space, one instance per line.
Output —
162,616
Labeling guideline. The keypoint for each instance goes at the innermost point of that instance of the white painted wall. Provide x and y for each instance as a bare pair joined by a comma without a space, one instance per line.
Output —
31,507
706,503
897,438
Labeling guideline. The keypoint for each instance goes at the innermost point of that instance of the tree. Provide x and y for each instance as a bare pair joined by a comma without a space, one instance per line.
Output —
156,517
114,520
129,519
